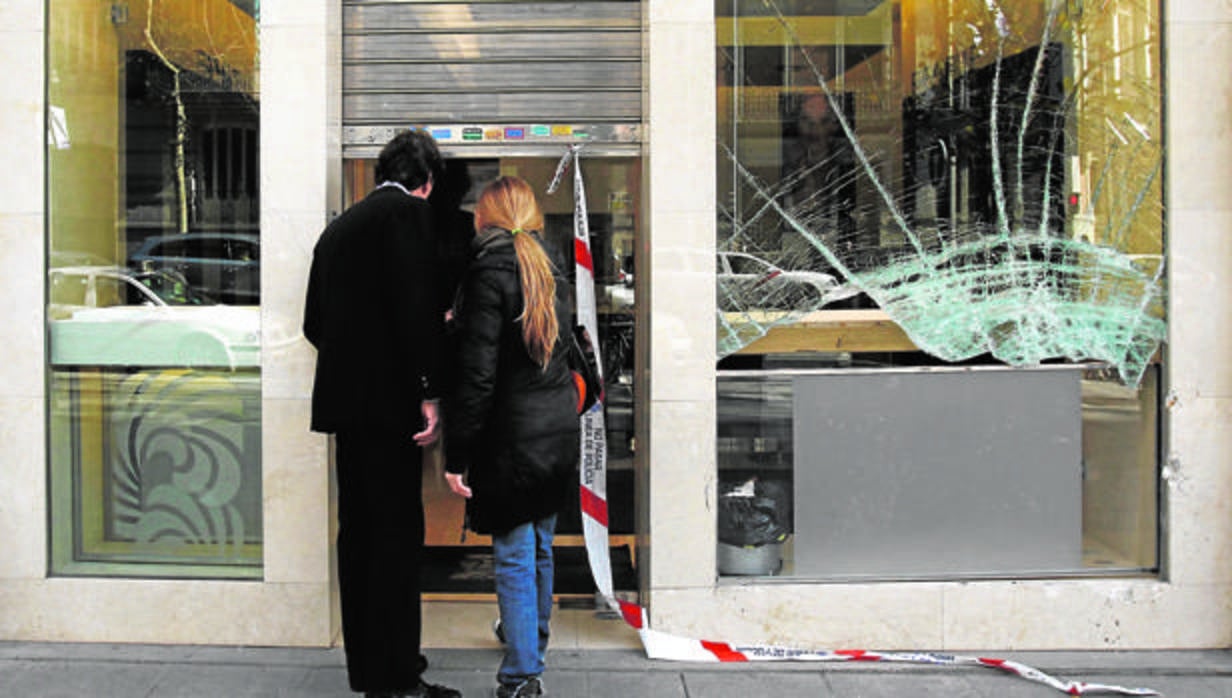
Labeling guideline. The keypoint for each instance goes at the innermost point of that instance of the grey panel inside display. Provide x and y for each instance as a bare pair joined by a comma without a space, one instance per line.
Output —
937,473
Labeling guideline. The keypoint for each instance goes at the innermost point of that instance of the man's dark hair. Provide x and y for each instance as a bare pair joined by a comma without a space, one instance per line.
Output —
410,159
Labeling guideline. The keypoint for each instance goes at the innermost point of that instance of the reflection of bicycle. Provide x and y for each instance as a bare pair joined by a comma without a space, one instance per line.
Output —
616,345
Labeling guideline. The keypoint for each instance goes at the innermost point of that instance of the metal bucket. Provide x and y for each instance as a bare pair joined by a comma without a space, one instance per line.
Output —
750,560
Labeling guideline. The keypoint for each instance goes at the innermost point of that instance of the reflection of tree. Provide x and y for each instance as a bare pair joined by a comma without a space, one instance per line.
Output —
181,123
192,115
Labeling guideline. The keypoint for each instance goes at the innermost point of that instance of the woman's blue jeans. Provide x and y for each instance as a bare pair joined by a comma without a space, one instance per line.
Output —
524,592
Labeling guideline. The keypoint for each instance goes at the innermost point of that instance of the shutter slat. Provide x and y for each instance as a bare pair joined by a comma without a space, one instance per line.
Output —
489,62
529,46
516,107
488,77
446,17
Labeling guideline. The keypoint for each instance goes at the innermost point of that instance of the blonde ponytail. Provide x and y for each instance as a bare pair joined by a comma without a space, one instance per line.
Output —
509,203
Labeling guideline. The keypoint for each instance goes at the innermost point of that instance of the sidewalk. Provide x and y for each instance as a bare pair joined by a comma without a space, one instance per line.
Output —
590,658
45,670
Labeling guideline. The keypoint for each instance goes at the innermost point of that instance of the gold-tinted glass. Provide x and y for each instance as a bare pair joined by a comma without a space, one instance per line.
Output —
153,288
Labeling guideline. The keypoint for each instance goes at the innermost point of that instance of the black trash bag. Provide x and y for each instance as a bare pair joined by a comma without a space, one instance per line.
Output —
778,491
756,519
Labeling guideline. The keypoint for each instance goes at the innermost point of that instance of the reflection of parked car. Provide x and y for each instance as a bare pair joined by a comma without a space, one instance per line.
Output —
226,266
746,281
108,316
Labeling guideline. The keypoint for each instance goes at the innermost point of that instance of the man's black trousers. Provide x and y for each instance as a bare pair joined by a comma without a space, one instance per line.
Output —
380,543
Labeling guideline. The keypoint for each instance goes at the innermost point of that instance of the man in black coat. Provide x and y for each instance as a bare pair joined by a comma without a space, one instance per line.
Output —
373,313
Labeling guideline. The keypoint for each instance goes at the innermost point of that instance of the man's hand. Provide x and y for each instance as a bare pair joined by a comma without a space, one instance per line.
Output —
457,485
432,423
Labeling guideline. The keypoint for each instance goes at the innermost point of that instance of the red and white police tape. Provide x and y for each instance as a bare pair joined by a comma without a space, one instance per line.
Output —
593,466
593,477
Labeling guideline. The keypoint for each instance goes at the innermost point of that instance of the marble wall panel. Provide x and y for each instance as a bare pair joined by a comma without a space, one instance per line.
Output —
295,486
1086,614
881,617
1199,12
287,359
23,490
25,16
173,612
1199,316
22,310
21,111
1199,146
681,497
1198,492
295,137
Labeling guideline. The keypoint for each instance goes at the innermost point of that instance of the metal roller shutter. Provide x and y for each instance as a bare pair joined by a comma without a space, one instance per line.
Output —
492,75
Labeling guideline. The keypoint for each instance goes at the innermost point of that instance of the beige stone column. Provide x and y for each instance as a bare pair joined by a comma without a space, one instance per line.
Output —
1198,235
680,251
301,188
23,470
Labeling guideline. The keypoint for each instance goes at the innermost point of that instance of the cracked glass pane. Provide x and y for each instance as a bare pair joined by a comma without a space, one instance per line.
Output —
986,174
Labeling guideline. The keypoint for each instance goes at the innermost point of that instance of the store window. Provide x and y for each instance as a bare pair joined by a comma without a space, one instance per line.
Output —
153,288
940,286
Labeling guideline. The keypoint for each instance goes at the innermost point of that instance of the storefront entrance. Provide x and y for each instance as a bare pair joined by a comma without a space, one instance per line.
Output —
460,563
508,87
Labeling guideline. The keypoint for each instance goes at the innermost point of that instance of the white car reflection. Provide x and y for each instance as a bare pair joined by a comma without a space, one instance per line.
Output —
617,297
747,281
111,316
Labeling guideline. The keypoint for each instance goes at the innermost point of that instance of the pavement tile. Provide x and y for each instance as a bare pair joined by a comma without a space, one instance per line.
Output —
232,681
567,683
476,682
900,685
331,682
74,679
757,683
467,659
1169,686
626,659
325,681
1059,662
623,684
995,684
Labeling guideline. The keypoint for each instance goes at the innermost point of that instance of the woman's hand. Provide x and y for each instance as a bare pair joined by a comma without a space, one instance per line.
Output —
457,485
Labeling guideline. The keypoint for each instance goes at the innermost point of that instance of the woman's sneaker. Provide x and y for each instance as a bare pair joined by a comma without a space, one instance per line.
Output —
530,688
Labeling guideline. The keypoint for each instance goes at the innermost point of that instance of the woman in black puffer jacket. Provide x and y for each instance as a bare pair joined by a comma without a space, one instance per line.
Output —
512,422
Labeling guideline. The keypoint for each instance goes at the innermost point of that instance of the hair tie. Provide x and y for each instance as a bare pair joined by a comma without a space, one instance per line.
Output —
515,231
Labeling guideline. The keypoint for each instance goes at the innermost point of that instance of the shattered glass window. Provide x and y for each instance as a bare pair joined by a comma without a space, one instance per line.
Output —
916,196
987,174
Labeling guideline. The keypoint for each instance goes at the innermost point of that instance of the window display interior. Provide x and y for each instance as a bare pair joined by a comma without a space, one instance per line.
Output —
153,289
917,187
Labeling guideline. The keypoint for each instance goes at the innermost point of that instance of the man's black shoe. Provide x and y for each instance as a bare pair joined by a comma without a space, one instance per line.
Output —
430,690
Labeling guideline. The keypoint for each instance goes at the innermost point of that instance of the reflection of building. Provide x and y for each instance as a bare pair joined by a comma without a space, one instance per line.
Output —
657,149
947,134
